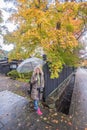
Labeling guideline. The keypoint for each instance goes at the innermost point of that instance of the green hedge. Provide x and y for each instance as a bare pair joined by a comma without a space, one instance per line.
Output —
15,75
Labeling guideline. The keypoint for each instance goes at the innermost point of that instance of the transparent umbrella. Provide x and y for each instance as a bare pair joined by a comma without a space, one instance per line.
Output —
29,64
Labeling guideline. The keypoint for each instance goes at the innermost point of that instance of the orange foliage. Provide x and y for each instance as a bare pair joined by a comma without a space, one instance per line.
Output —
51,28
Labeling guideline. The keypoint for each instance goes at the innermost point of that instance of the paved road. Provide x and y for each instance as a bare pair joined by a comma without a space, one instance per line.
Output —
79,100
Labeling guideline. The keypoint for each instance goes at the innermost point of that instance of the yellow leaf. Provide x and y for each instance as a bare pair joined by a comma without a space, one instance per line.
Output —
69,123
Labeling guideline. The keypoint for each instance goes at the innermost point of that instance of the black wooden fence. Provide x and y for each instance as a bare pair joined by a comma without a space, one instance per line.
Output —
52,84
6,66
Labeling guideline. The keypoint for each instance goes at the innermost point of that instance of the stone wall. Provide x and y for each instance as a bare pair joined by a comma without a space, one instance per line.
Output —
58,93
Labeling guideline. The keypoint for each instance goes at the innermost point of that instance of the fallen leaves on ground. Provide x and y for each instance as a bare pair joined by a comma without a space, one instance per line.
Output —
69,123
38,120
55,121
46,127
45,118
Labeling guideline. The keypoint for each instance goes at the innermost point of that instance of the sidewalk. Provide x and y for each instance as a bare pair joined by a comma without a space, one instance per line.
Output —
16,112
79,101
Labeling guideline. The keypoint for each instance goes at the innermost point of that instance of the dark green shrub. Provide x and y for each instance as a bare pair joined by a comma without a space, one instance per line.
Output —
26,76
13,74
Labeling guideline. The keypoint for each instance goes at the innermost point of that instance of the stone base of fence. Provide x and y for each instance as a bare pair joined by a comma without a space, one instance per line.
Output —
57,94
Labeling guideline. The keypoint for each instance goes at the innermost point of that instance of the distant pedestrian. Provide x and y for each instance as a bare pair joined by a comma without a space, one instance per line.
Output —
37,81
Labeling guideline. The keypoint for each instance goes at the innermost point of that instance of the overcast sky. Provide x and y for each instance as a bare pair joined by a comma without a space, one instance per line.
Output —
5,8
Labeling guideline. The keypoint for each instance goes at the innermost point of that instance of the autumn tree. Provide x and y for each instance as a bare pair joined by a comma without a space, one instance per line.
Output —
54,28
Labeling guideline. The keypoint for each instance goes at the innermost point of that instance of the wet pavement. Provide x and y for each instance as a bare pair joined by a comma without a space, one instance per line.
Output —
79,100
16,112
15,86
11,106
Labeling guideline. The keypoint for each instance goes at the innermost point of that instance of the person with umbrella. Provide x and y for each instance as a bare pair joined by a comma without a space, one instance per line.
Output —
37,81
